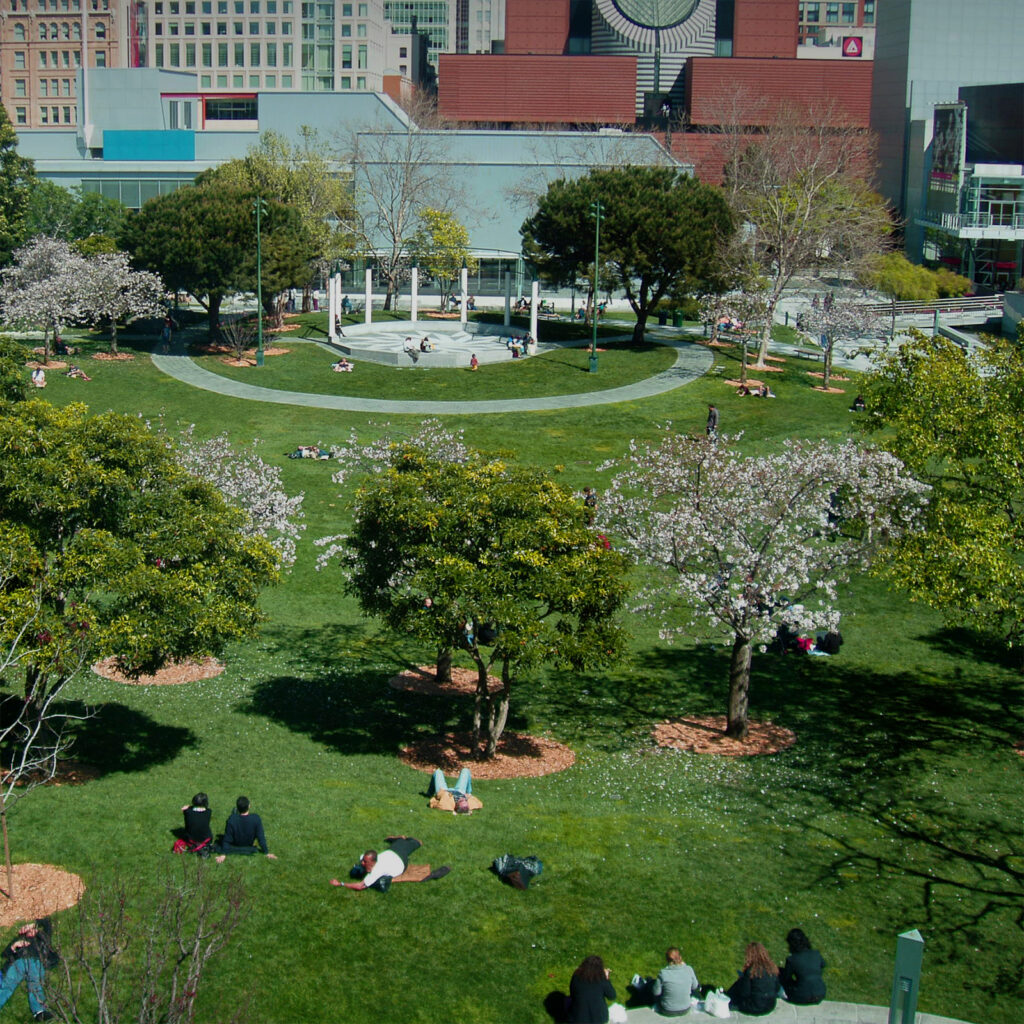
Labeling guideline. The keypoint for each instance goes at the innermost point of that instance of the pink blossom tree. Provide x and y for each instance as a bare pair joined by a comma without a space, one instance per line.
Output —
748,543
111,292
42,287
841,321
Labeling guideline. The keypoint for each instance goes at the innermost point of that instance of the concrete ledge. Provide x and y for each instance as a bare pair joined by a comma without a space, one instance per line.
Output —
787,1013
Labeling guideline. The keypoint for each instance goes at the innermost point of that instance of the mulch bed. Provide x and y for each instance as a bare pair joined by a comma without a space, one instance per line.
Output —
423,679
519,756
54,364
705,734
171,675
68,773
821,376
39,890
829,391
110,357
751,383
767,369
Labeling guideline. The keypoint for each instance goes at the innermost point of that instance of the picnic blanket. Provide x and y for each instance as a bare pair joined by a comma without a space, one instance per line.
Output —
421,873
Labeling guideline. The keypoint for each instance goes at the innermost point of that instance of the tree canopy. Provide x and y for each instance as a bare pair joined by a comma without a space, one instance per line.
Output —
202,239
441,247
17,176
659,232
71,214
747,543
494,559
956,420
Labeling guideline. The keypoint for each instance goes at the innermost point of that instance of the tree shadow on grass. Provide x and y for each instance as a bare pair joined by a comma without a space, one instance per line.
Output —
117,738
346,703
960,642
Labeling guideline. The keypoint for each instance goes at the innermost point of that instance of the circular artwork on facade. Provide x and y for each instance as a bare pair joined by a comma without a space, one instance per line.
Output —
656,13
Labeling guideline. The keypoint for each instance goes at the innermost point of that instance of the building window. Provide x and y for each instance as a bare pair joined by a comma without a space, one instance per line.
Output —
346,10
65,87
190,55
849,14
254,55
362,10
254,81
172,115
19,33
286,81
172,28
20,87
44,87
101,30
190,28
21,115
403,52
237,81
158,56
360,82
346,81
205,82
346,56
76,32
238,28
222,55
346,31
42,59
832,14
271,81
207,55
222,81
286,28
44,115
362,56
19,60
270,28
361,30
271,55
175,55
158,29
101,57
222,28
254,28
286,56
869,12
239,60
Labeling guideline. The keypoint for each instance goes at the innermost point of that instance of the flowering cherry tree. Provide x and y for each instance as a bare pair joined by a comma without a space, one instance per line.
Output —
111,291
748,543
837,322
42,288
249,483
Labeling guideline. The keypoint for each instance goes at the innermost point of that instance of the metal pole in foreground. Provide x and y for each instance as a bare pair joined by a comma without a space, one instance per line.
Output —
597,208
906,978
260,208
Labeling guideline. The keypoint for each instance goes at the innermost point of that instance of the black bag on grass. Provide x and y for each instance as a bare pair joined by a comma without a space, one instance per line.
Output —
517,871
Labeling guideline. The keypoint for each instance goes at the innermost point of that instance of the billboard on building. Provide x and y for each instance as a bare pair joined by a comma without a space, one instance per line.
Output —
949,141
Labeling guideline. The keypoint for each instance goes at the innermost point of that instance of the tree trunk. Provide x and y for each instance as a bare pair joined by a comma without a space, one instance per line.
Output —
739,687
640,328
766,333
444,665
307,298
46,343
481,702
498,713
214,300
113,336
8,866
827,375
743,364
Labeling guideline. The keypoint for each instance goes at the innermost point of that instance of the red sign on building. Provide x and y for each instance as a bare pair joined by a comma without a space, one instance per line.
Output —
853,46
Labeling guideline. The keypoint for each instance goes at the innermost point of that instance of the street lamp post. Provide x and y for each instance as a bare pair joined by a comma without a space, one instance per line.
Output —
598,209
261,208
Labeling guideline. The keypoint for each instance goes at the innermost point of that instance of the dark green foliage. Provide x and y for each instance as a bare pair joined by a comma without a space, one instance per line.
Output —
13,356
17,175
71,214
660,231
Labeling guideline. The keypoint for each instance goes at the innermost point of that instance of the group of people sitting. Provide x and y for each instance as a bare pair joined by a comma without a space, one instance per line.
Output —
520,346
243,831
675,991
309,451
342,366
760,391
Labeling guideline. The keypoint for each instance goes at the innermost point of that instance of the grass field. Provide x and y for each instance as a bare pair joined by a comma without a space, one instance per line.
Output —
899,807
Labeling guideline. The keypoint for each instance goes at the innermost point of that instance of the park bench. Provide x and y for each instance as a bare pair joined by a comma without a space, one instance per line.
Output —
810,353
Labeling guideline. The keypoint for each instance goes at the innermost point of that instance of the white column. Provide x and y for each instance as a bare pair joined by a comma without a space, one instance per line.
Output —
415,303
332,307
508,298
464,282
368,298
534,303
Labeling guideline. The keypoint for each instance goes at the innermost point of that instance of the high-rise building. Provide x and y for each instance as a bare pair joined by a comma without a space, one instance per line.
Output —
43,43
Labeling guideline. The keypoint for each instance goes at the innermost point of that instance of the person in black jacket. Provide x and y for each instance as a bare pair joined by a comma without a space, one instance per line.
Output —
801,975
588,990
242,831
198,835
755,991
26,959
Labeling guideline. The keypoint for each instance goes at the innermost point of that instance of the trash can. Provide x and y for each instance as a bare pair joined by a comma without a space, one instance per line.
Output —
677,318
662,319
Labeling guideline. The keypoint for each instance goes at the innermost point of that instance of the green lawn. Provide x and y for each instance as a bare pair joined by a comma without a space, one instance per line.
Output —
900,806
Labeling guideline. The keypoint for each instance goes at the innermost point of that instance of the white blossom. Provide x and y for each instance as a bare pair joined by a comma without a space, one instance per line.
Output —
110,291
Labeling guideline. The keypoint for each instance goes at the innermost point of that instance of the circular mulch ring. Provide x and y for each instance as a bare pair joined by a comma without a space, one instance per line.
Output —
423,679
828,391
751,383
39,890
767,369
821,376
171,675
53,364
519,756
705,734
110,357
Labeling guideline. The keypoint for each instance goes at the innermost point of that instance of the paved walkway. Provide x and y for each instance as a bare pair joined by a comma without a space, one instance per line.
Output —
787,1013
692,361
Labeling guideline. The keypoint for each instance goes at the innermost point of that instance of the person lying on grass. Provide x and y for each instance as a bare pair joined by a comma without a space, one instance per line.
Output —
243,829
378,870
459,799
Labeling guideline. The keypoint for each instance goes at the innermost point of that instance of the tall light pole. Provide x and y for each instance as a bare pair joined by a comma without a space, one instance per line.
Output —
598,209
261,208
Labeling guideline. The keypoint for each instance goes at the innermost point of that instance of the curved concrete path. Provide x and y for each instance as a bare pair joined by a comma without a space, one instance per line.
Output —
692,361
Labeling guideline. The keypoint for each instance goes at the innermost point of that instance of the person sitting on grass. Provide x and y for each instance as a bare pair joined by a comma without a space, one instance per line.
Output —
198,836
242,830
26,959
755,991
74,371
459,799
342,366
39,377
386,865
671,991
